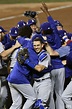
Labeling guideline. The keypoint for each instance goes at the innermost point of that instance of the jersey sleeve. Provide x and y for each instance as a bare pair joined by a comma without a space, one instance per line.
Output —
63,51
46,61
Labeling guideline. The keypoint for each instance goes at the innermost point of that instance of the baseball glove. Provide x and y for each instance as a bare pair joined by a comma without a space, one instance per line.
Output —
22,56
27,13
31,14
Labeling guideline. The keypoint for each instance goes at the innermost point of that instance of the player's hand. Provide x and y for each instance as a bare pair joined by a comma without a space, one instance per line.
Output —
44,8
17,44
45,39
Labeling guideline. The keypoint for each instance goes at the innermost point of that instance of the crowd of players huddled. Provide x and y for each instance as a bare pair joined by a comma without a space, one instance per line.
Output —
43,81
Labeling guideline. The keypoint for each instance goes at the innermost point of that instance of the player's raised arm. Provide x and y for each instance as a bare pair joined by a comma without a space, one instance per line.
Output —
44,8
7,52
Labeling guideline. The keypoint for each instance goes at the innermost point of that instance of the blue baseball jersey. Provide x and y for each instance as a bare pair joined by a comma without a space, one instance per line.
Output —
6,39
7,42
68,72
21,74
67,51
44,59
69,35
55,43
63,51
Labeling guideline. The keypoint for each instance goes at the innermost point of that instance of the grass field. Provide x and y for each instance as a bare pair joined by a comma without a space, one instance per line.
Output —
30,1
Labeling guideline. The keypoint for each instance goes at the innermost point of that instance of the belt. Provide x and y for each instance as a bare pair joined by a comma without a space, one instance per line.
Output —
39,80
54,57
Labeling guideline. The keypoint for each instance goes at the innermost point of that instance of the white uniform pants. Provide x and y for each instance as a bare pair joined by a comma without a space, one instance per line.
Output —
27,91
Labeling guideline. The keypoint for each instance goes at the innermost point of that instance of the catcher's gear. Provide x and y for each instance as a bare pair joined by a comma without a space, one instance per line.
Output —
31,14
22,56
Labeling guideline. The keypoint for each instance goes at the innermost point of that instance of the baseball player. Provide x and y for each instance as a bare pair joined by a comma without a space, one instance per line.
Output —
19,84
67,95
65,51
11,37
3,71
13,34
58,72
3,88
2,33
42,81
34,23
62,33
23,40
61,30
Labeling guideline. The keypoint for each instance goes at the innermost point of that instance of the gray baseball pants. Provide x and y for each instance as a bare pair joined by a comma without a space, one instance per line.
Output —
43,90
58,79
3,92
67,95
27,91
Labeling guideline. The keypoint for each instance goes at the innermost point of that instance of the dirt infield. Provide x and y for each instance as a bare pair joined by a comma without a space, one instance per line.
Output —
63,15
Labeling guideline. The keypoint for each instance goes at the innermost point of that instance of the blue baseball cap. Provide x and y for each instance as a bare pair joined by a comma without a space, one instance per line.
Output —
2,29
21,24
45,26
37,36
13,31
57,23
31,22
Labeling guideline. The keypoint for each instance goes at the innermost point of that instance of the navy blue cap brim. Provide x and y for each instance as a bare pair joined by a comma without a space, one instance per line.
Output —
13,35
4,31
32,24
